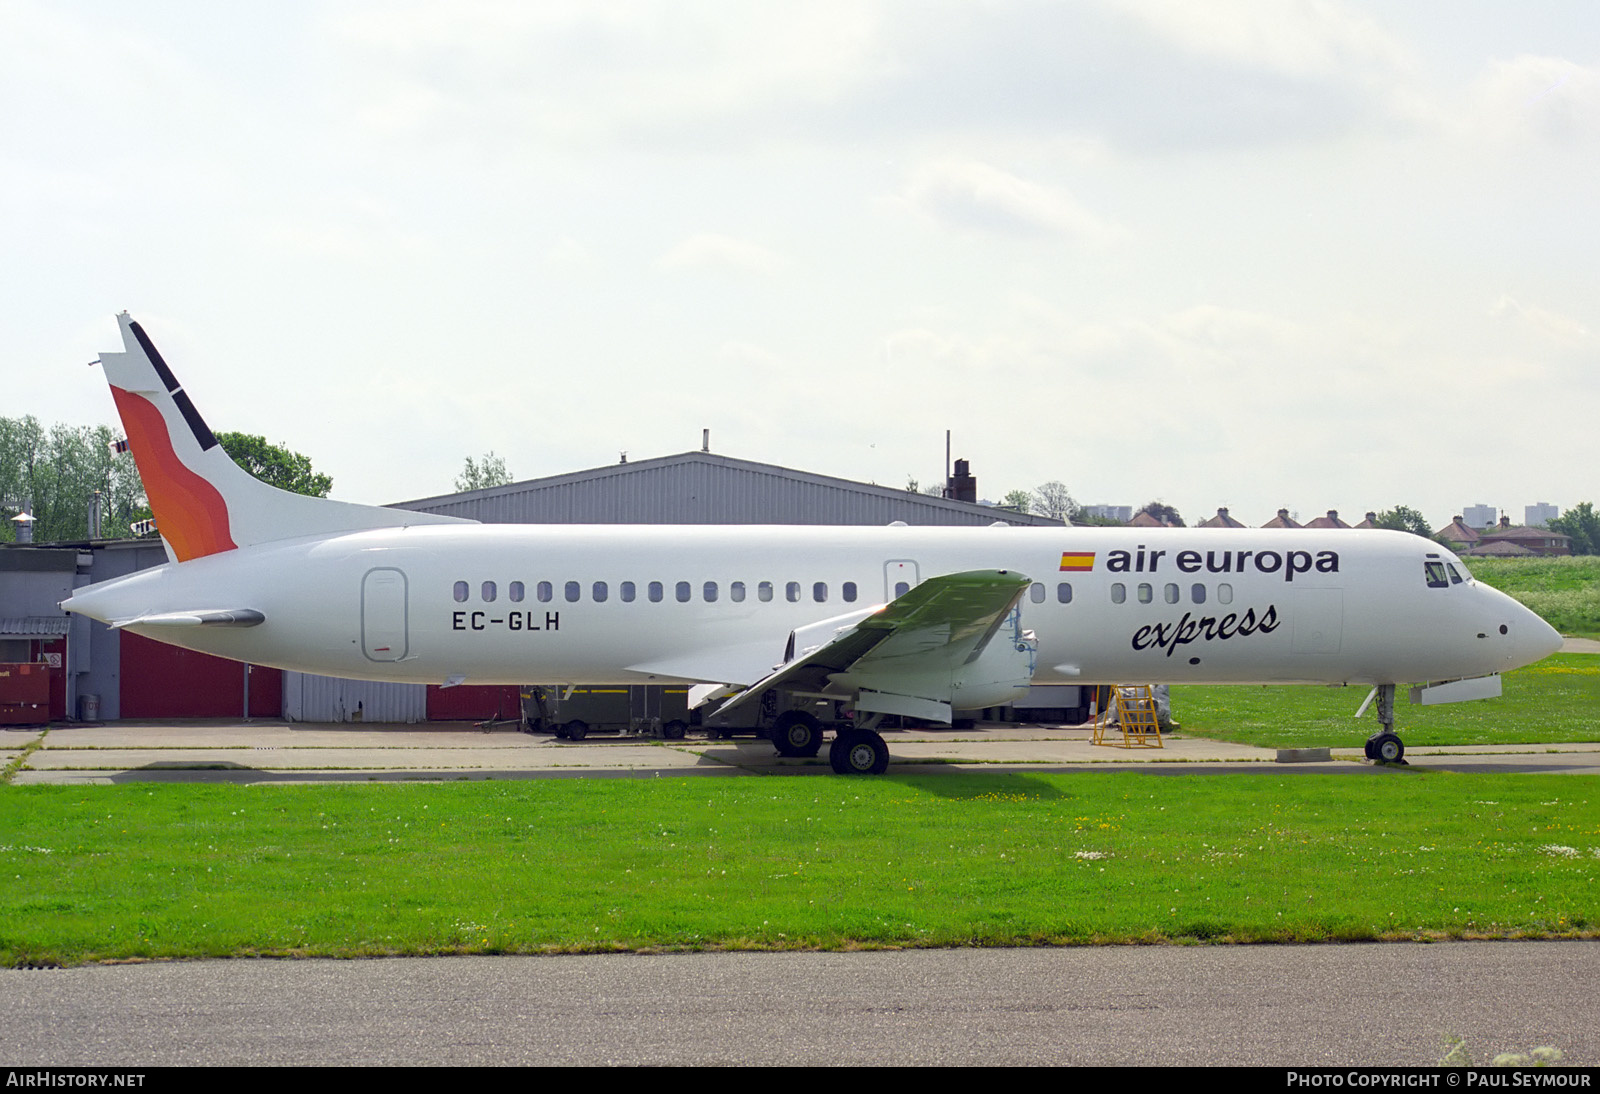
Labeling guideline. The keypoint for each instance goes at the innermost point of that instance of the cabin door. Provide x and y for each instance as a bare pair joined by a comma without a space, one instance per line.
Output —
383,615
900,576
1317,622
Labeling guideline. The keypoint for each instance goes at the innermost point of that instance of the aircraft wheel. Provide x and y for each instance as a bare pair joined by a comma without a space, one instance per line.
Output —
576,730
858,752
797,733
839,749
674,730
1387,748
1371,755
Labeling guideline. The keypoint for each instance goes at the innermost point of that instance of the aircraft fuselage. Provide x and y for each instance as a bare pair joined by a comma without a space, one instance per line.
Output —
616,604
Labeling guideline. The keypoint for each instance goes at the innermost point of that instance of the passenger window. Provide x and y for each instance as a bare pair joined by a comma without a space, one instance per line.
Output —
656,592
849,591
1064,593
764,591
514,591
1119,592
574,591
682,592
1224,593
901,588
461,592
736,591
545,591
1146,594
710,592
1197,593
1171,593
600,592
626,590
1036,593
488,591
819,592
792,591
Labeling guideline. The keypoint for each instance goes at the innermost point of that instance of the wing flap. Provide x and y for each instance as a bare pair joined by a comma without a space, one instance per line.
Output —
912,645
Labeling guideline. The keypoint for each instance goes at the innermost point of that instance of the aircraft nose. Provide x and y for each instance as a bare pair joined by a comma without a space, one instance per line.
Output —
1532,639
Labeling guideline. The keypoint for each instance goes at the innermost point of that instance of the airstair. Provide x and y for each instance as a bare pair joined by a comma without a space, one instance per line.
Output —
1134,712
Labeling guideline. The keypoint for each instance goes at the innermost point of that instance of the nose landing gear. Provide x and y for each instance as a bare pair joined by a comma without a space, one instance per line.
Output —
1384,746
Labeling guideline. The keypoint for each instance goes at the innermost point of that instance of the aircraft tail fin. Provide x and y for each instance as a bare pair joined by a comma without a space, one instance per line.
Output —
203,502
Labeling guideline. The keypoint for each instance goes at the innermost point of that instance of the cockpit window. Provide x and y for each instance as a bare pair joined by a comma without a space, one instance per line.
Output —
1455,576
1437,578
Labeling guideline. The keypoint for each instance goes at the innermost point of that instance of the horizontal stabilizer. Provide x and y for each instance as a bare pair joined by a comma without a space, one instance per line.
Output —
224,617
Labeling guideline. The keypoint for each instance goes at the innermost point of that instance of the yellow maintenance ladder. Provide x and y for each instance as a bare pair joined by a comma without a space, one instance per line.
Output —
1135,715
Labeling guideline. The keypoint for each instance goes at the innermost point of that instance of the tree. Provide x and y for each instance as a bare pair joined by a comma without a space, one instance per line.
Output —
1163,512
275,465
1053,500
54,475
1403,518
483,474
1582,524
1020,500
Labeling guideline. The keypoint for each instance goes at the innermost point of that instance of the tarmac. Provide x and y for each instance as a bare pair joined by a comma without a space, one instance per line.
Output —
271,751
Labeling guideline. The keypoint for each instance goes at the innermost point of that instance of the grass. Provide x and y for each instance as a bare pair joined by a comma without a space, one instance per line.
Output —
1554,701
139,872
1564,591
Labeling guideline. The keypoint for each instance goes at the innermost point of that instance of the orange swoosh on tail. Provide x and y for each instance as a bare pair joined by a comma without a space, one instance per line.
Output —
189,511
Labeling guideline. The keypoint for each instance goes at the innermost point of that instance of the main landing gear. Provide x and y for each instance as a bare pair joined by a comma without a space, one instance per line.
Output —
858,752
855,750
1385,746
797,733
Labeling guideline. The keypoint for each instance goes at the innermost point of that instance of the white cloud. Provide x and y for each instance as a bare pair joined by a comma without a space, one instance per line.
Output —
1305,38
1548,324
1537,98
973,195
710,251
596,71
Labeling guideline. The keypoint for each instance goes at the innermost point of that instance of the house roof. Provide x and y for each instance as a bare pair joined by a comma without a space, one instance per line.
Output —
1523,534
1221,520
1501,548
1330,521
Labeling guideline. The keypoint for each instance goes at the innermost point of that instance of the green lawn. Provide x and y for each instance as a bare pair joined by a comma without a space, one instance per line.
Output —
1556,700
1565,591
111,873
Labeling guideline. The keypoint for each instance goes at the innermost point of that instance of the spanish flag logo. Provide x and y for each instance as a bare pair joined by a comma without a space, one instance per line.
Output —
1077,561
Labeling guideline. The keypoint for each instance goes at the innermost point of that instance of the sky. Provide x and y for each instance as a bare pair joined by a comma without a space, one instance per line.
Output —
1263,254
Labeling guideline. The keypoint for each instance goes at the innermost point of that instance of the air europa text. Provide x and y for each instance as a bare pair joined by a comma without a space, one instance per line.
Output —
1288,563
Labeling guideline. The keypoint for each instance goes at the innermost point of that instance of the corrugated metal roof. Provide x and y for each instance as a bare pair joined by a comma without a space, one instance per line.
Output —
705,488
34,625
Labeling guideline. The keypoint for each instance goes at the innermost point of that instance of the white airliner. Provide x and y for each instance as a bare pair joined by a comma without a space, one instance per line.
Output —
867,621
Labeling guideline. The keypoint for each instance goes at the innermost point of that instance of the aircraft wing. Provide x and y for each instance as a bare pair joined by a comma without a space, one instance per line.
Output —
923,645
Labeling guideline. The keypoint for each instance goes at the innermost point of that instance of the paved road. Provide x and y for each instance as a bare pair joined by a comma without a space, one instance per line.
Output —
1276,1005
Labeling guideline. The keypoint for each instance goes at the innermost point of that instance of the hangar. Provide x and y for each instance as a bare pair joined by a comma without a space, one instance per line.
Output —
99,674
